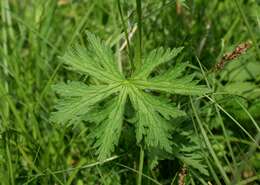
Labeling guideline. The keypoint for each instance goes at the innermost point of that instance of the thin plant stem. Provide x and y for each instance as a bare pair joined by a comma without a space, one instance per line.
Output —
126,34
139,38
141,164
137,65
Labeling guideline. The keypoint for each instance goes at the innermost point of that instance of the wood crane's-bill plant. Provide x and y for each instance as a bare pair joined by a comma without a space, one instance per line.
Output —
103,101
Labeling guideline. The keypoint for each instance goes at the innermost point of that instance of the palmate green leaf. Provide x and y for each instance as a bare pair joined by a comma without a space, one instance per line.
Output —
104,105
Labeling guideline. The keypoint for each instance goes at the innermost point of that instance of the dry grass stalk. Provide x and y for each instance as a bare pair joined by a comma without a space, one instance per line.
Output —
182,175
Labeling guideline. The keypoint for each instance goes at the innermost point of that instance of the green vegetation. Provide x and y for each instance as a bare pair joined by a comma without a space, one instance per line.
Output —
129,92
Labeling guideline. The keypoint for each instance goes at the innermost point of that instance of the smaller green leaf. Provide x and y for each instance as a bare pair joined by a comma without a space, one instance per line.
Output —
194,161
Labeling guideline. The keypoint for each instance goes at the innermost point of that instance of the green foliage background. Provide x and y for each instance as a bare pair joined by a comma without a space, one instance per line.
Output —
218,139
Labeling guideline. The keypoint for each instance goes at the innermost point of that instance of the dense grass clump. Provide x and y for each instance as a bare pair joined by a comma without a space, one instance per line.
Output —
129,92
